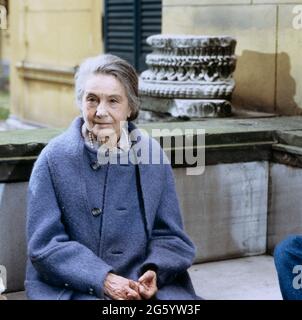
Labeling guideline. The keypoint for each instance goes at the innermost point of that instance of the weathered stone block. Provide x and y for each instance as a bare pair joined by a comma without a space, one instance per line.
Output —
12,233
225,209
284,212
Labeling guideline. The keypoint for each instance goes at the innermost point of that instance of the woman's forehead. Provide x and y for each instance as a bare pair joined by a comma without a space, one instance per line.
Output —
104,84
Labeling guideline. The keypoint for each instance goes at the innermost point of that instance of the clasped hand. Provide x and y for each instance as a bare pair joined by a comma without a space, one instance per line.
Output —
120,288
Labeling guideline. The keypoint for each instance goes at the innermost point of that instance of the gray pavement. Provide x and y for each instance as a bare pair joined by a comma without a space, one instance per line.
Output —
251,278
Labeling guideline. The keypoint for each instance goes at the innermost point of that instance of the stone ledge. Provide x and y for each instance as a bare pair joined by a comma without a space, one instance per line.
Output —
292,138
226,141
288,150
288,155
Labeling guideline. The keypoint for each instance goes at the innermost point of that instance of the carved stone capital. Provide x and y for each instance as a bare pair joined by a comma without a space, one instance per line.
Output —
190,67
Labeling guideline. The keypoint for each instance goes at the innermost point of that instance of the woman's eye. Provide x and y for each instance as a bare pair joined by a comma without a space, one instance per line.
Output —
91,99
113,101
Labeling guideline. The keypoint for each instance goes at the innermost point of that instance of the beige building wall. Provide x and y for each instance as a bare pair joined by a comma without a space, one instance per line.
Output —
269,35
48,39
4,43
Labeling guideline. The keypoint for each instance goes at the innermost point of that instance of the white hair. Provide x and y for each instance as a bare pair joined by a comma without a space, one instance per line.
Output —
112,65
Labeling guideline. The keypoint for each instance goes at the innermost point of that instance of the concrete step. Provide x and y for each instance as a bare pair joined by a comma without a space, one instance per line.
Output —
251,278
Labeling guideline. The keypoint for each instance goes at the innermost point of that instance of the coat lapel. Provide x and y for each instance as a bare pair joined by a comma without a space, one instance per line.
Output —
76,151
146,174
150,175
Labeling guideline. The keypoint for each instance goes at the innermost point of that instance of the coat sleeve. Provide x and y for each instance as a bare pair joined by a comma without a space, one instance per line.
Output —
58,260
170,251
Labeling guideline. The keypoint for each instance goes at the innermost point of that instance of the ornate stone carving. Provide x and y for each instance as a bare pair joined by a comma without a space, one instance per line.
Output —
191,67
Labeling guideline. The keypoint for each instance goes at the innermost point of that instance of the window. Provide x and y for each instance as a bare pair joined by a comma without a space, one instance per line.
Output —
127,25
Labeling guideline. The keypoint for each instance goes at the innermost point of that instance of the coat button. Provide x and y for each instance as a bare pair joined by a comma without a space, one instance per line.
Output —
96,212
94,165
91,291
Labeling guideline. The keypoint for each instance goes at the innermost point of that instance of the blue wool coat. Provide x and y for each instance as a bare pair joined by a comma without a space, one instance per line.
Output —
66,257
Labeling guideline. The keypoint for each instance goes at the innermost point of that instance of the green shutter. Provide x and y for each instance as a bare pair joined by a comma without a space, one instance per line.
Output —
127,24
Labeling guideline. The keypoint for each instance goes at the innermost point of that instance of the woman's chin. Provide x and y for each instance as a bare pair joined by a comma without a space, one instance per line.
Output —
102,126
105,131
98,131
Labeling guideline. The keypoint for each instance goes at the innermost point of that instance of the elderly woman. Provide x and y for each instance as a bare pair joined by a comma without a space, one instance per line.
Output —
103,229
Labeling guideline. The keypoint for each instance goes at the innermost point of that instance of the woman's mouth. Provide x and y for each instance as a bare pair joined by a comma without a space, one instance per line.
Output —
103,124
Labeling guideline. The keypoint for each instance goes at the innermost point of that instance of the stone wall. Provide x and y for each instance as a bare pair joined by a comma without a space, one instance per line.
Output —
225,209
269,66
12,233
284,214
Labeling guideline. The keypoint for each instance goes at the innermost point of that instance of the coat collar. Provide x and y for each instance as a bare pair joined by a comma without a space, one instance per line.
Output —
122,145
74,136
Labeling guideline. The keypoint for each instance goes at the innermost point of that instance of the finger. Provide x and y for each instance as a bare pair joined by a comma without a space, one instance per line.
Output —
146,290
142,289
120,298
131,297
146,282
146,293
147,276
143,278
132,294
133,285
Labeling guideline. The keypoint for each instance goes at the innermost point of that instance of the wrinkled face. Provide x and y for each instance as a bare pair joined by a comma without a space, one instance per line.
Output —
105,106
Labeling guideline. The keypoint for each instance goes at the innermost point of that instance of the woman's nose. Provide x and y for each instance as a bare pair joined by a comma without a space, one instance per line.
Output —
101,110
